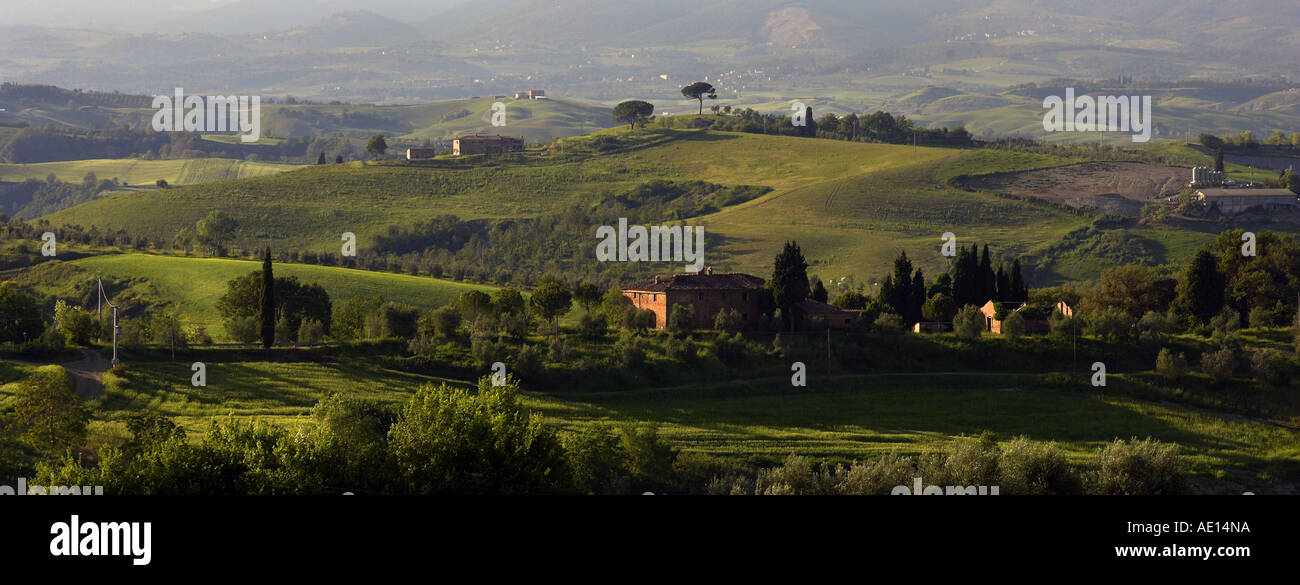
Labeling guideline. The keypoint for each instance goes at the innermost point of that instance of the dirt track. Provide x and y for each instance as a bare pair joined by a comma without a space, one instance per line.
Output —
87,372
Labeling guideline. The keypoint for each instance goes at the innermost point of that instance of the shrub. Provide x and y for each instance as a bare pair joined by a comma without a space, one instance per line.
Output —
1014,326
876,477
939,307
731,350
1061,327
1110,323
680,320
1224,328
74,322
239,329
597,459
650,458
591,327
968,323
1261,317
1220,364
727,320
397,320
889,324
311,331
442,322
1030,468
1146,467
972,461
796,476
1171,366
629,350
528,361
1271,366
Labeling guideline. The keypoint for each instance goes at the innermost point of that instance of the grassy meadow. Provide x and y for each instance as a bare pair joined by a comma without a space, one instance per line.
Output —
840,418
193,285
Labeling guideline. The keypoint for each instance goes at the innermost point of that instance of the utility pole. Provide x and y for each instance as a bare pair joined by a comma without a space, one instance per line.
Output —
828,349
116,329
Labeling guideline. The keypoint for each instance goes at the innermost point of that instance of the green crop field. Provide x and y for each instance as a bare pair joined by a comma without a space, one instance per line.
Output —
847,417
132,171
193,285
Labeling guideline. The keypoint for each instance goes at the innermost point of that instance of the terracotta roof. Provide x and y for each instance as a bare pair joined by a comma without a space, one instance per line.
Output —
699,281
515,138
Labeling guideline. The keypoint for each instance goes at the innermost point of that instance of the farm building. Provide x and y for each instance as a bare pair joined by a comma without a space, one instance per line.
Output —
1238,200
1032,325
531,94
810,312
420,153
706,292
486,144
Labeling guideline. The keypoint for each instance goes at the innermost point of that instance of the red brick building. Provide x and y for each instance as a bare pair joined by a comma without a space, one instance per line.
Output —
486,144
705,292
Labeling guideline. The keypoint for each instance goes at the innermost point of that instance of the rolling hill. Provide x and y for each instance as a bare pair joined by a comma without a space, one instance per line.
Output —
852,206
193,285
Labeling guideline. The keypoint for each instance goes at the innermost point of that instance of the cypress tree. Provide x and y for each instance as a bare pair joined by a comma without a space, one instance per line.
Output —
268,300
1218,159
964,278
1201,291
987,280
789,281
1004,291
1019,291
916,298
900,293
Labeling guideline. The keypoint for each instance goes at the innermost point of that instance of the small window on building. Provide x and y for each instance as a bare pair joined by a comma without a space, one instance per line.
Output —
701,297
744,316
848,321
744,296
724,296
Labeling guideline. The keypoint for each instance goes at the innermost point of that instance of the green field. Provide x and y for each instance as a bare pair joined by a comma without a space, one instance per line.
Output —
131,171
193,285
844,418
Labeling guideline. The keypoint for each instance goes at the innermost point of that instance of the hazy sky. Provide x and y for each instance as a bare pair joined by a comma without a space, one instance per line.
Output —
136,16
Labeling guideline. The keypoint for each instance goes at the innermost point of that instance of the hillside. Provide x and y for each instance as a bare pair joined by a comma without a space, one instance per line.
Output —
143,172
852,206
537,121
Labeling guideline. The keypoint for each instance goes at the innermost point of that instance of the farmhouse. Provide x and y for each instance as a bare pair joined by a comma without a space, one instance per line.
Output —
420,153
1238,200
705,292
532,94
486,144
